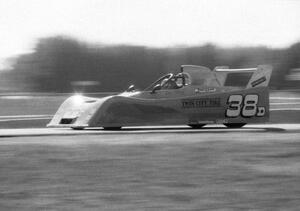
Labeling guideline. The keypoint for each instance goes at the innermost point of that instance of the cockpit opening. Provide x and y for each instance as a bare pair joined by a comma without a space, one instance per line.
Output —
171,81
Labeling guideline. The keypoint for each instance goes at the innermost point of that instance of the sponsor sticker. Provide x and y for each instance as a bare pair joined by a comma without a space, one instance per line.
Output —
258,81
203,90
221,121
201,103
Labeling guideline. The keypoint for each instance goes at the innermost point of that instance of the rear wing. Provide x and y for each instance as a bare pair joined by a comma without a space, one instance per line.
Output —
261,75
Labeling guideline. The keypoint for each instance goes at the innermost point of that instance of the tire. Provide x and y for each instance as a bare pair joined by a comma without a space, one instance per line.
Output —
235,125
196,126
112,128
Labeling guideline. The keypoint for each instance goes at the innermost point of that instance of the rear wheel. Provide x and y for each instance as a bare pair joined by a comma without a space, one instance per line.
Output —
196,126
234,125
112,128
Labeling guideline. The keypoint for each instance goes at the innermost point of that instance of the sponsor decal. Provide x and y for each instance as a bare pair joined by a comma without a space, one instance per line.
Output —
201,103
244,106
221,121
258,81
217,121
201,122
203,90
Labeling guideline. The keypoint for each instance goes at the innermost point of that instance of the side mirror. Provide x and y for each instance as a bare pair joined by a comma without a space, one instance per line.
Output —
131,88
155,88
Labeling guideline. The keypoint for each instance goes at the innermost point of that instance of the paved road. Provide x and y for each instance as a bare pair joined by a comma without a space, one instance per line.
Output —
151,130
164,168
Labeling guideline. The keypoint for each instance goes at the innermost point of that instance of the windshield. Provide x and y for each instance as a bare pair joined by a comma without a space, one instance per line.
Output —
171,81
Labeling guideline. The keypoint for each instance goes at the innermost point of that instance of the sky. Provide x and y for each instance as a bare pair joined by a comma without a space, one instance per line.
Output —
154,23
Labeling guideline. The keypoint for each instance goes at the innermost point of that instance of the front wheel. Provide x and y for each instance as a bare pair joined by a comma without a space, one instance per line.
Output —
196,126
112,128
235,125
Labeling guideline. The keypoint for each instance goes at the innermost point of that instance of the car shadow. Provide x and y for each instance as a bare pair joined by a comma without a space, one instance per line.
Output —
183,129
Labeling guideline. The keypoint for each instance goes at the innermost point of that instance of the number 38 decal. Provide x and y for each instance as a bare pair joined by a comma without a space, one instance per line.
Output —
246,107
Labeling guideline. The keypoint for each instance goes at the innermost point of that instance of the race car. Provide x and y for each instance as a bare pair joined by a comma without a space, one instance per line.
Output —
194,96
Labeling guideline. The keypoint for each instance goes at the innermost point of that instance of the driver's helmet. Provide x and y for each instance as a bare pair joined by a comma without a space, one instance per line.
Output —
169,83
179,79
175,82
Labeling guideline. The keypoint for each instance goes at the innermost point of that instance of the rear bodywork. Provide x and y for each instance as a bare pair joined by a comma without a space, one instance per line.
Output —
203,98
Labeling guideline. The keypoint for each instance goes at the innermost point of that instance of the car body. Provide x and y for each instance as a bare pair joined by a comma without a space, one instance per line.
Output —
195,96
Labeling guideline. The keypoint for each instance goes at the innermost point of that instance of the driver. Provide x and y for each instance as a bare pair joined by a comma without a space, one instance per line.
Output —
170,83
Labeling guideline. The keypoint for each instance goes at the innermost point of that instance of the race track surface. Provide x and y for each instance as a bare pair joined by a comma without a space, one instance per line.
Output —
146,168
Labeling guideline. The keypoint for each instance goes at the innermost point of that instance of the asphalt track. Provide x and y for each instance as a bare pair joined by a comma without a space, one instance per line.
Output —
149,130
151,168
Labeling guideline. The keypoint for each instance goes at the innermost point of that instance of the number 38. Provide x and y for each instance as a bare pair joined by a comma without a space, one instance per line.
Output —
247,107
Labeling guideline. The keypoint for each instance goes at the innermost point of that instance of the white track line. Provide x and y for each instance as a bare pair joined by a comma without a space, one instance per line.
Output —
26,116
284,98
284,109
24,119
285,103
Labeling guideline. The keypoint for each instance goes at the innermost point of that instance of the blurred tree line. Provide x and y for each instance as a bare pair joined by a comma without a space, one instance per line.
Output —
62,64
